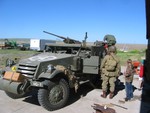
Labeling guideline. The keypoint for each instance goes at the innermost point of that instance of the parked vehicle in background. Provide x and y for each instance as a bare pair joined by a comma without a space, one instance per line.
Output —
24,46
39,44
8,44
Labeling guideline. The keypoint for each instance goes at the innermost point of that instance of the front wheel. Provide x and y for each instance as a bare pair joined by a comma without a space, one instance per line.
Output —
54,95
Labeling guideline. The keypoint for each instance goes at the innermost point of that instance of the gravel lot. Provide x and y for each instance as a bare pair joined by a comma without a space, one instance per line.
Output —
79,103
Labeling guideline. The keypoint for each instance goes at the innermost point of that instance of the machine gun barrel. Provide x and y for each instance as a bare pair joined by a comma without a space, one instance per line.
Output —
55,35
66,40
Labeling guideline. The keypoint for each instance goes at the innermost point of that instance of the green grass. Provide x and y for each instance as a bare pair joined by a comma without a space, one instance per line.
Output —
133,55
14,53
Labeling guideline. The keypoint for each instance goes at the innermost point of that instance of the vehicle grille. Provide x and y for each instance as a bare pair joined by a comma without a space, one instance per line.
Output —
27,70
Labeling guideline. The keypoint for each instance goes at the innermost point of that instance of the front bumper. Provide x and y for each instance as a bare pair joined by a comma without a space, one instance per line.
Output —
10,86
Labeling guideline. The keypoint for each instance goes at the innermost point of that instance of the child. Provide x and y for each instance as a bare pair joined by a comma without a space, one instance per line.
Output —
128,80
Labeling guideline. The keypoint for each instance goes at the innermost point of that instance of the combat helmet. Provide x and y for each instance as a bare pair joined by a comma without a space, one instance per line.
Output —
112,49
110,39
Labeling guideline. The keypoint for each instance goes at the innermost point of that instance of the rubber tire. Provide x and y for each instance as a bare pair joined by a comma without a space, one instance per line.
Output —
14,96
43,95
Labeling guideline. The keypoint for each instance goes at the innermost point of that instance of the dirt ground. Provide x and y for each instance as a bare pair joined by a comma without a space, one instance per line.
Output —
81,102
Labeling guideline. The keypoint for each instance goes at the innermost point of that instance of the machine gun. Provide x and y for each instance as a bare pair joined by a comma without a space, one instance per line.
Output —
84,41
65,40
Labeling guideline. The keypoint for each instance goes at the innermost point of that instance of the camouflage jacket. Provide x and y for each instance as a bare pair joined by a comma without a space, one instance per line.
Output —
129,73
103,69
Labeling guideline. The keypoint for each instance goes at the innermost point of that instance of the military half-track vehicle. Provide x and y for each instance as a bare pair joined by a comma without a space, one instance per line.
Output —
54,73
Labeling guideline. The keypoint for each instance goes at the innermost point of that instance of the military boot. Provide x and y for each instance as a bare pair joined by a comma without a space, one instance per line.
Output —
104,94
111,95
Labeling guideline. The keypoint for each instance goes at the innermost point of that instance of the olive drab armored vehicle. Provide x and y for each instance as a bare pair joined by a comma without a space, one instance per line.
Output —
54,73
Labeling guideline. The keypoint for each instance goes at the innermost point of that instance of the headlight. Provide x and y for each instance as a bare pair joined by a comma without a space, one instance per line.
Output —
50,68
14,68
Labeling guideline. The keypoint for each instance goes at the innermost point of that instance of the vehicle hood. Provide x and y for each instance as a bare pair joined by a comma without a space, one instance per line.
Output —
44,57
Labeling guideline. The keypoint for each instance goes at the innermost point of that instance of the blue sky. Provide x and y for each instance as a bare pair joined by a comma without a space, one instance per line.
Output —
125,19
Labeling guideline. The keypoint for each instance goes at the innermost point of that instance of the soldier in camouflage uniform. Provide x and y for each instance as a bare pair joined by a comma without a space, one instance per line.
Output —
109,76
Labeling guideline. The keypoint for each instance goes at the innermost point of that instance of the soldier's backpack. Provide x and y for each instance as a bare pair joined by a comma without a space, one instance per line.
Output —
111,64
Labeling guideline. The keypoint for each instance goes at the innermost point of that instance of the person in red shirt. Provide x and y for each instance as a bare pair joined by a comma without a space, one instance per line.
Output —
141,75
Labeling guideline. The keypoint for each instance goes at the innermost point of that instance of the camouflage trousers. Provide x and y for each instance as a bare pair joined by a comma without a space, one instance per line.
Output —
111,81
